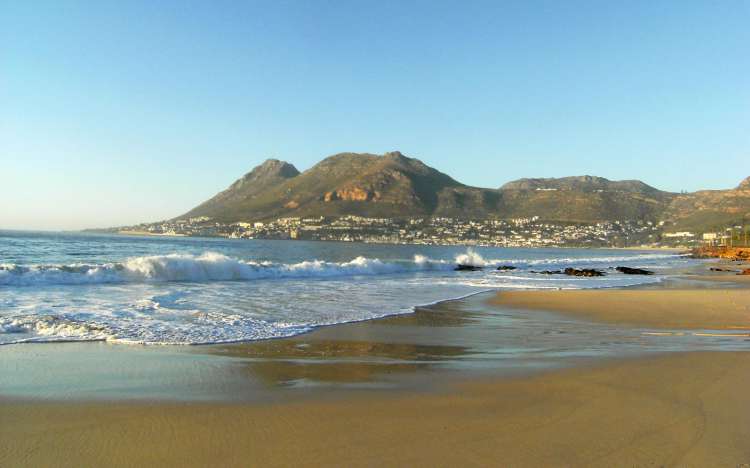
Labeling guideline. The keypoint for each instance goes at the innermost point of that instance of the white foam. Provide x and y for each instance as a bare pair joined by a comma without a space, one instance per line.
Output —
214,298
471,258
209,266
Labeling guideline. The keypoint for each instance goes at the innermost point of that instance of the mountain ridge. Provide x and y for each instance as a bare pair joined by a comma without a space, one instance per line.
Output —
396,186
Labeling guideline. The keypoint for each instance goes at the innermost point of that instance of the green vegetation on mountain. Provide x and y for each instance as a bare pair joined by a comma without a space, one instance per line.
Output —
585,183
708,210
396,186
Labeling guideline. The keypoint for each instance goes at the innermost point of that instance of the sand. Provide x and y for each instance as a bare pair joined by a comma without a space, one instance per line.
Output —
721,309
679,409
687,409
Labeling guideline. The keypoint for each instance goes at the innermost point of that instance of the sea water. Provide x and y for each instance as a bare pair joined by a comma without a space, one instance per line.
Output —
171,290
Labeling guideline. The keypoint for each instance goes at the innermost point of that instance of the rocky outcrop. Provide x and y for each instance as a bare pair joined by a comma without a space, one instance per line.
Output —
633,271
351,194
505,268
582,272
462,267
729,253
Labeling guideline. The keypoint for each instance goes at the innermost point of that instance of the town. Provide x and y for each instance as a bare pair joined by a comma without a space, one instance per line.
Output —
519,232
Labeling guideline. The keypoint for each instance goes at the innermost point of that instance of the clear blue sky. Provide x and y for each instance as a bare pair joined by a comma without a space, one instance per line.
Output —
117,112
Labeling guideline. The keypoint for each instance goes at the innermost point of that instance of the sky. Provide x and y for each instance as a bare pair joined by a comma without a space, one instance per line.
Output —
120,112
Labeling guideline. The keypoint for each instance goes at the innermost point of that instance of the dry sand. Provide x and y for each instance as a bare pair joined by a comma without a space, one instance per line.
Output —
658,308
685,409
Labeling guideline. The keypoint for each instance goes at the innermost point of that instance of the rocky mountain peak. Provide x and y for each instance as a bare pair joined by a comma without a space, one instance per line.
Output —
394,155
275,167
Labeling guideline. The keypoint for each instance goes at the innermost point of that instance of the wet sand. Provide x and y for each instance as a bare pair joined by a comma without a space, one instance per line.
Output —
433,388
720,309
686,409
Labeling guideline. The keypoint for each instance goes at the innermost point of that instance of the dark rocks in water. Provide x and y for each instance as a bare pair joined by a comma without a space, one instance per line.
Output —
724,269
461,267
549,272
633,271
505,268
582,272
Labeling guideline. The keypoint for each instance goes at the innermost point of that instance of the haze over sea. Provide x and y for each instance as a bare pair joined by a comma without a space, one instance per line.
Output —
168,290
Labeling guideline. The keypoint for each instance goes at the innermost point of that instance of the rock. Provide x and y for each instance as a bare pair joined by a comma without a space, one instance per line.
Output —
582,272
723,269
745,272
633,271
548,272
505,268
461,267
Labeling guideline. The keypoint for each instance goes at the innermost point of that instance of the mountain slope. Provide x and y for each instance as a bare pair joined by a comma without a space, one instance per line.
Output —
583,199
711,209
346,183
395,186
263,177
581,184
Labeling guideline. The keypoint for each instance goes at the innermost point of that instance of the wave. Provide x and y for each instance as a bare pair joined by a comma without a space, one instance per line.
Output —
210,266
473,258
51,328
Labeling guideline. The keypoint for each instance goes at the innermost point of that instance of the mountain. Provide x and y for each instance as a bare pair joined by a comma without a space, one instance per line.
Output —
391,185
710,209
583,199
585,183
262,178
394,185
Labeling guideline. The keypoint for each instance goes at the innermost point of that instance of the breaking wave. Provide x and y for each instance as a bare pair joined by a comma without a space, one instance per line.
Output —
212,266
209,266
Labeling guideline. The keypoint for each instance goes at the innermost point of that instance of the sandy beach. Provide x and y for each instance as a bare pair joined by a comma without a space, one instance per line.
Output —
679,410
724,309
430,389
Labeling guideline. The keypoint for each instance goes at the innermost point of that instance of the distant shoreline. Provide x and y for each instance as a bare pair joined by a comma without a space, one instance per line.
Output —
151,234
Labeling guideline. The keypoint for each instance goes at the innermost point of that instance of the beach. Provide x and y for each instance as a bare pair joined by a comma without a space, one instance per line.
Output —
724,309
381,392
676,410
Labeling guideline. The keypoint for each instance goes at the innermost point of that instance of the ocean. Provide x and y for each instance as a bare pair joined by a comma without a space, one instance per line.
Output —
187,291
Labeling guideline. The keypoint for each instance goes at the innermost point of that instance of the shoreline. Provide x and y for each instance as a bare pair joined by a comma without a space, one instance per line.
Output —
461,382
532,247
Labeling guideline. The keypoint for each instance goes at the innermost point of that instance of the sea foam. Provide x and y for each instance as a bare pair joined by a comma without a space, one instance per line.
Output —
209,266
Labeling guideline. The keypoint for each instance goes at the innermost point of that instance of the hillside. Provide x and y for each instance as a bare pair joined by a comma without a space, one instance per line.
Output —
396,186
585,183
583,199
346,183
245,189
710,209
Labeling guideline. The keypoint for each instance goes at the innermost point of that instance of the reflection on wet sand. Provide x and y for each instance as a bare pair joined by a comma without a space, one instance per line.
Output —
457,335
309,373
469,335
356,353
301,361
448,314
